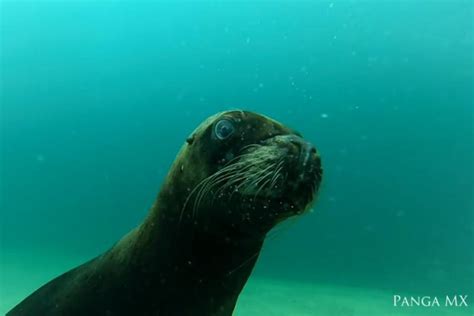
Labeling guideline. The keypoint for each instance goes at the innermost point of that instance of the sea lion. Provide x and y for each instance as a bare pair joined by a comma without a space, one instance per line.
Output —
236,177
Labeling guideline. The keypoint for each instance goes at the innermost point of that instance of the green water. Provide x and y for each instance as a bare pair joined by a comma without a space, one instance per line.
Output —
98,96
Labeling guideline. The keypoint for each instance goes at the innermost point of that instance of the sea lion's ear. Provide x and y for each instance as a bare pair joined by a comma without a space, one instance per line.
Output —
190,139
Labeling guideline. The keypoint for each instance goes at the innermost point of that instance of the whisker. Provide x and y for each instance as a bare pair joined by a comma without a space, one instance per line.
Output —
254,179
261,187
240,174
246,261
275,179
199,187
189,197
250,146
234,177
277,174
231,181
215,177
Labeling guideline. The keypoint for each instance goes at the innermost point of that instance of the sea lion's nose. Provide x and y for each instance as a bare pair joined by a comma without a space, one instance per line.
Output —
305,148
298,146
304,152
304,145
307,152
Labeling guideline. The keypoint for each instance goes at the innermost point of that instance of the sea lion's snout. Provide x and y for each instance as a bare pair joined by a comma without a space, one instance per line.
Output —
304,153
308,165
303,163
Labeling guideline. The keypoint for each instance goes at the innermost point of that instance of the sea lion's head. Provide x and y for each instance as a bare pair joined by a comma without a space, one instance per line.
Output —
245,171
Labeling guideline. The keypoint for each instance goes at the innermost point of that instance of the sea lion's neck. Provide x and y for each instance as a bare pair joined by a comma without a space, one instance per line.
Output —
214,266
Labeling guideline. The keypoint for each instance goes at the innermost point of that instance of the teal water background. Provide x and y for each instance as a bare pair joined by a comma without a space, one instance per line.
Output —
98,96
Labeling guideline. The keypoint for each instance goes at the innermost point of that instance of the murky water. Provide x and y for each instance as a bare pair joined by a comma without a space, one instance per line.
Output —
98,96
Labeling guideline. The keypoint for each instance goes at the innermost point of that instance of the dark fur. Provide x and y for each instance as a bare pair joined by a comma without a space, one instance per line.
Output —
176,262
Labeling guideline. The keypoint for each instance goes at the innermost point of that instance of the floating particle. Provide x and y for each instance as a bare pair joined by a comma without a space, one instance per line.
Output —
400,213
369,228
343,151
324,115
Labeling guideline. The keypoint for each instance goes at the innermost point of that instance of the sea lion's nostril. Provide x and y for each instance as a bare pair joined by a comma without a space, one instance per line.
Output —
296,140
298,145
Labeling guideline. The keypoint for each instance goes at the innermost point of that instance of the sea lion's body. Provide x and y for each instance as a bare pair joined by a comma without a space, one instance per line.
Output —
194,252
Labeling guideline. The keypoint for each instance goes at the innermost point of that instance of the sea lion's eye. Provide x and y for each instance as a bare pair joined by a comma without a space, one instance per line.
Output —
223,129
